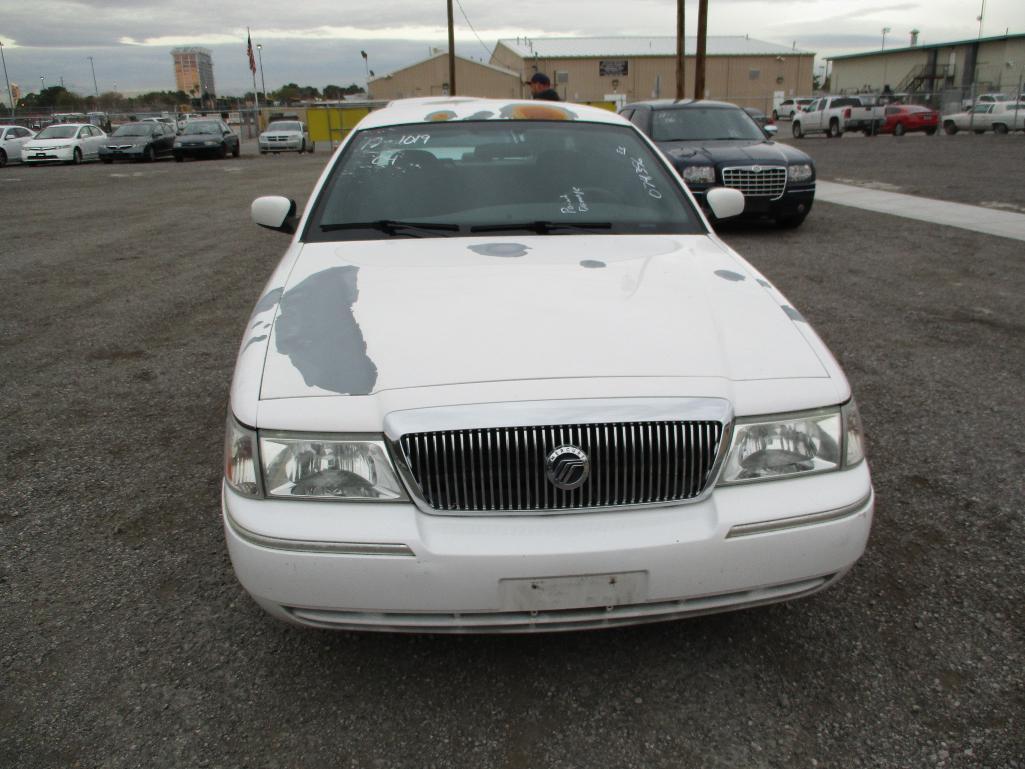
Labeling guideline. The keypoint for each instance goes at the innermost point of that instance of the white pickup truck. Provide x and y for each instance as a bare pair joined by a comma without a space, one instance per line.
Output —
833,115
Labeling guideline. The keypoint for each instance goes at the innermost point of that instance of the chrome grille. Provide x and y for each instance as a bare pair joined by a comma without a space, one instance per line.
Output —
768,182
503,468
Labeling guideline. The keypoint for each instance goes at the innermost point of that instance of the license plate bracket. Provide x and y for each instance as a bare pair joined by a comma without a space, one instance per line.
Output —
574,592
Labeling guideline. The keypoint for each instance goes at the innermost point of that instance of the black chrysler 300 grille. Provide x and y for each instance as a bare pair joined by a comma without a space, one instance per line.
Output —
503,469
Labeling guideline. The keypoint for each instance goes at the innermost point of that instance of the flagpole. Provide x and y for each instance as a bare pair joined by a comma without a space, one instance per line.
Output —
252,69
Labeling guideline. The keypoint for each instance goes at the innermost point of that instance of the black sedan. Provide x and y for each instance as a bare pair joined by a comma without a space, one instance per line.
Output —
138,141
717,144
206,138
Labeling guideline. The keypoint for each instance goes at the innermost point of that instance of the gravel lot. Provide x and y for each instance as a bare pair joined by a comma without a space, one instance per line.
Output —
127,642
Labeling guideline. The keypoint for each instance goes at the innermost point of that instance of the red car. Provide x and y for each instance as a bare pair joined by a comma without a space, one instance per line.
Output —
902,118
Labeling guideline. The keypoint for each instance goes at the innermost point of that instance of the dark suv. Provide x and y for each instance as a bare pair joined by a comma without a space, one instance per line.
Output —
713,144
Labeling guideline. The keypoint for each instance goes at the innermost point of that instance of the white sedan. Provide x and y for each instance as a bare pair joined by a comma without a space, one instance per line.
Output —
506,378
286,136
64,143
1000,117
12,138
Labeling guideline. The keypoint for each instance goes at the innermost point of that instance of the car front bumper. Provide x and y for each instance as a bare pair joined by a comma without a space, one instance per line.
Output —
796,201
388,566
134,153
292,145
49,156
191,150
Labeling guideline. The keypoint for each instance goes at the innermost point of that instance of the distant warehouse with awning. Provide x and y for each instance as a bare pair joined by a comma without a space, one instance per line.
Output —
739,69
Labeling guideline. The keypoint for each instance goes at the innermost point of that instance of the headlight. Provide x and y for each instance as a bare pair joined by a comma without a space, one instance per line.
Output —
699,174
328,467
62,146
813,442
801,172
241,468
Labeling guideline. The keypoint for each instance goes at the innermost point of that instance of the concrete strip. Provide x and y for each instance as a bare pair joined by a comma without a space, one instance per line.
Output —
1001,223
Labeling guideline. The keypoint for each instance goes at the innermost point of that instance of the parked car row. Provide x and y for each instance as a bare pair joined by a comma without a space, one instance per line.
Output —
997,116
147,140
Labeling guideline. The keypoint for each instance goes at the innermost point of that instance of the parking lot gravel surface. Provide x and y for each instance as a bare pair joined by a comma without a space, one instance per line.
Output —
978,169
127,642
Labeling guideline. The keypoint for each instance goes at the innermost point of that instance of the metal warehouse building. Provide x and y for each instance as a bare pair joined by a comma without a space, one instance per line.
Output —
589,69
941,72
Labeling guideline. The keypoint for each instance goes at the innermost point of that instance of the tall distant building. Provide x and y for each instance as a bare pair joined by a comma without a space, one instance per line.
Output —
194,71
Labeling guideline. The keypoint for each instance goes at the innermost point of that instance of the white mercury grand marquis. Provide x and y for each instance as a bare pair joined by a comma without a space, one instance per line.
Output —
506,378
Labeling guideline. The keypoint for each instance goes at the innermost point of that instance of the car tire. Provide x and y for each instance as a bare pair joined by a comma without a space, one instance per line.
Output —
3,158
949,128
795,129
999,128
223,151
236,150
302,149
930,131
834,129
790,222
76,157
149,155
899,129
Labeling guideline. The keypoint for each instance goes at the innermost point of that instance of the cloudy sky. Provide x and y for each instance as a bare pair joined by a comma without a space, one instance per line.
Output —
318,42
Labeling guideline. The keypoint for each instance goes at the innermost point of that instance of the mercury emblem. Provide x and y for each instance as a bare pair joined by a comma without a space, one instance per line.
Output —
567,467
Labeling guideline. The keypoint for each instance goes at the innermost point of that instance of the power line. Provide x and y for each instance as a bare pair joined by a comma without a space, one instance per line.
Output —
467,19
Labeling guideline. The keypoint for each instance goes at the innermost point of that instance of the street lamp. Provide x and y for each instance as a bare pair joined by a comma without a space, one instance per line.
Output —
259,55
93,67
886,31
9,94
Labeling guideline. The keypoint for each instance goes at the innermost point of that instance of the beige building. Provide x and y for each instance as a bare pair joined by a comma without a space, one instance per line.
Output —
194,71
738,69
942,72
430,78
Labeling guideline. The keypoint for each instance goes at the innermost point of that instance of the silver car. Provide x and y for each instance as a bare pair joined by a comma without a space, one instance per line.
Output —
11,139
286,136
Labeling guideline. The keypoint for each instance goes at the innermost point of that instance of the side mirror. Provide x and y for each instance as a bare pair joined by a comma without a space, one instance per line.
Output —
275,213
725,202
771,130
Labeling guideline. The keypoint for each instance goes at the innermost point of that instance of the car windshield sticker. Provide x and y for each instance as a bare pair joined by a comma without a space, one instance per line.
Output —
415,139
574,202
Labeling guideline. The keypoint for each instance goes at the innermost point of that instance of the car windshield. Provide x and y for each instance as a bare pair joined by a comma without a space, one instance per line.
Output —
136,129
284,126
58,132
202,128
708,123
493,177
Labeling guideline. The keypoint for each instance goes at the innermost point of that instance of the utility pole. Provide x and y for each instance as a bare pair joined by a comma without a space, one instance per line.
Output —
9,94
451,53
699,61
93,67
679,49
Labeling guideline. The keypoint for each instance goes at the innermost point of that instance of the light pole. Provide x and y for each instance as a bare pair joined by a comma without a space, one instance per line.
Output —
886,31
263,83
9,94
93,67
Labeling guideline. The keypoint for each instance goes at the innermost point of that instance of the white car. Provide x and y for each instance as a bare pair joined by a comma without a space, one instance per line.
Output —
286,136
64,143
506,378
1000,117
12,139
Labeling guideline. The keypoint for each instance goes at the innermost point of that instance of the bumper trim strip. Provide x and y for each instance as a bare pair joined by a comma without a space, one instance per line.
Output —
792,522
310,546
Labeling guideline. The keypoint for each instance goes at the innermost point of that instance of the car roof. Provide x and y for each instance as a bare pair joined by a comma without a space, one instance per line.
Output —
70,125
680,103
439,109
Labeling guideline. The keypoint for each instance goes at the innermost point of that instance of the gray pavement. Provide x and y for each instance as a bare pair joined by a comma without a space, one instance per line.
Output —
127,642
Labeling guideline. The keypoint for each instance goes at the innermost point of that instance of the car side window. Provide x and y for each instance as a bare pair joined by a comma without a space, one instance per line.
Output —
892,111
627,113
638,118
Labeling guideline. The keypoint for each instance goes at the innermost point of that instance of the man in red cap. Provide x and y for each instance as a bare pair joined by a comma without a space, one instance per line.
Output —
541,87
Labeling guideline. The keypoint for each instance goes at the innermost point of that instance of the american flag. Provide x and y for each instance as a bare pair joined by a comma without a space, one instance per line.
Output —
249,50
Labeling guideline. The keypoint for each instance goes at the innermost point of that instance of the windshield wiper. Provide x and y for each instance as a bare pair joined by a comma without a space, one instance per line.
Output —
391,227
542,227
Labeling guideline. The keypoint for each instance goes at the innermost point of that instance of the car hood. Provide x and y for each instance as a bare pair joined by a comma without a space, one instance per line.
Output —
690,153
360,317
